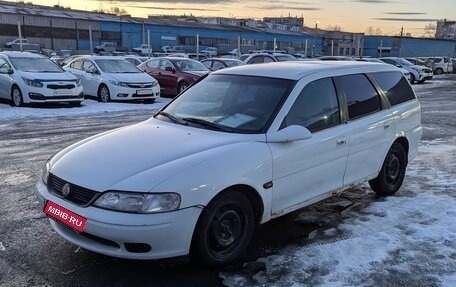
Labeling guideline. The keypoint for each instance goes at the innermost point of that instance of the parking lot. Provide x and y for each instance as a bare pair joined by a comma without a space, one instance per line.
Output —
352,239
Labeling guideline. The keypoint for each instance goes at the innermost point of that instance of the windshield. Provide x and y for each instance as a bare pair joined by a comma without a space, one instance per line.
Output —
404,62
188,65
243,104
37,65
117,66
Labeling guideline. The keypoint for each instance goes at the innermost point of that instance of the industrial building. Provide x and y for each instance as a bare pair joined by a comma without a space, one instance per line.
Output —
62,28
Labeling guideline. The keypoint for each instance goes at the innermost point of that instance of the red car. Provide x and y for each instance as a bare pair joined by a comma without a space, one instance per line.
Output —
174,74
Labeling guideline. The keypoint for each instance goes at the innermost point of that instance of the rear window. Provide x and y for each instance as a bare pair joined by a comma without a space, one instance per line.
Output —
395,86
362,98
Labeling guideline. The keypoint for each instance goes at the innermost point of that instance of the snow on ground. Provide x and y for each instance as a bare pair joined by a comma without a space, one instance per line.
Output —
404,240
88,107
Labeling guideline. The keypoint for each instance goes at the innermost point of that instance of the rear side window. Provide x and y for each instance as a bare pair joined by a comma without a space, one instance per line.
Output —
395,86
362,98
316,107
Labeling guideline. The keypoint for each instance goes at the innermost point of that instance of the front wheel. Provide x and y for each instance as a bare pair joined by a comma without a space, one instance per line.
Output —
224,229
103,94
16,97
392,174
412,78
439,71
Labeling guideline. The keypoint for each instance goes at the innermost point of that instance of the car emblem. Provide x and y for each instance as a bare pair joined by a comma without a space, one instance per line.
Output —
143,85
66,190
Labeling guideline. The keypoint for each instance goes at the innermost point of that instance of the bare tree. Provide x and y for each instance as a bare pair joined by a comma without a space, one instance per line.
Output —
112,10
430,30
334,28
371,31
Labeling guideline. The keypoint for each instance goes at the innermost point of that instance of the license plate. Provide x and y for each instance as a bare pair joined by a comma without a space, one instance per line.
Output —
144,92
62,93
65,216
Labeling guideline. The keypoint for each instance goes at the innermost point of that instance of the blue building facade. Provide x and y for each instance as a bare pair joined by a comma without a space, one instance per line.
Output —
385,46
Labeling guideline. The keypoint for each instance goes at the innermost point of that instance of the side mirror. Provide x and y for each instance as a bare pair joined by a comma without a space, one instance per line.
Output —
170,69
289,134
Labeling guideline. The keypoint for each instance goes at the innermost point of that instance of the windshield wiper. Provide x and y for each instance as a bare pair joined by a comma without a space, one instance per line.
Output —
172,118
205,123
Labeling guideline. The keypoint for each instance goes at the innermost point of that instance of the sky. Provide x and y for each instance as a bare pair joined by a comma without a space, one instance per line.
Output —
351,15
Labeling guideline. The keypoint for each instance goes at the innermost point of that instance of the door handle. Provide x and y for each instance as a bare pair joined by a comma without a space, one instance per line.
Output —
341,141
386,124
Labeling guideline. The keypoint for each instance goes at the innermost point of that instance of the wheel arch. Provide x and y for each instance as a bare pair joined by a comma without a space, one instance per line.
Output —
403,141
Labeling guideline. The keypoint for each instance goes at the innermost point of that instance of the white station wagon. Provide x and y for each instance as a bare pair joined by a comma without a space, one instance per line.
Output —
240,147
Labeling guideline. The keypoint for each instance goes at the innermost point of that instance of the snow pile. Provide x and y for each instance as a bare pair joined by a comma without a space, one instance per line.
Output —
404,240
88,107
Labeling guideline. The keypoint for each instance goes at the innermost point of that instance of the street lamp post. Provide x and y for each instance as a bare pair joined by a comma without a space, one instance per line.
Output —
314,38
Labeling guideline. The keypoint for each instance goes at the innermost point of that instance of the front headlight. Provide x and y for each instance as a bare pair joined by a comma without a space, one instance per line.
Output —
139,202
32,83
78,83
117,83
154,83
45,171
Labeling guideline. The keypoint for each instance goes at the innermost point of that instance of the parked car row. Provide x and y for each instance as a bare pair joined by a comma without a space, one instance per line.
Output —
33,78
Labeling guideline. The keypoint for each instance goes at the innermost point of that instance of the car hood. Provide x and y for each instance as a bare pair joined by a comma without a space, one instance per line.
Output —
139,157
132,77
65,76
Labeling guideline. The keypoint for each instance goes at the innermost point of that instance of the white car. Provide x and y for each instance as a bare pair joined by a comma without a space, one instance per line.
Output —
417,73
16,41
143,50
113,78
240,147
32,78
210,51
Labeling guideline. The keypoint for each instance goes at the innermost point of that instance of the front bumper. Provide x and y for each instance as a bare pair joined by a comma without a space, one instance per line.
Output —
127,93
45,95
425,76
127,235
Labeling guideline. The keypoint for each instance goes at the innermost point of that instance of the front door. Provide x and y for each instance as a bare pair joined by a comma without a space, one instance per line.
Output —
307,170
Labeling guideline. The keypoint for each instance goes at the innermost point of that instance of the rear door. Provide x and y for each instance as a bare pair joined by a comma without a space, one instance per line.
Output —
371,127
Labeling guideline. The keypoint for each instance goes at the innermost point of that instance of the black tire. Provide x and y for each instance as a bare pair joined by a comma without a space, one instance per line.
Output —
224,229
182,87
412,78
392,174
16,97
104,95
438,71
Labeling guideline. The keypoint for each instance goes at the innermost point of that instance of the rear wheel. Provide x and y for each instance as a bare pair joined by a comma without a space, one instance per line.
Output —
392,174
439,71
103,94
16,97
224,228
182,87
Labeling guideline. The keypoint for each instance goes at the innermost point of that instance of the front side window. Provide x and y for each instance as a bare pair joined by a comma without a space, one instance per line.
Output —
218,65
362,98
4,67
165,64
395,86
256,60
316,107
244,104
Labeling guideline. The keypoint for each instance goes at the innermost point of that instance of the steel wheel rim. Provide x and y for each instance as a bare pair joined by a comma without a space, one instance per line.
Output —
226,230
17,97
104,94
393,169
